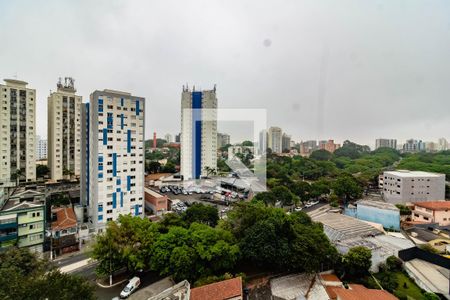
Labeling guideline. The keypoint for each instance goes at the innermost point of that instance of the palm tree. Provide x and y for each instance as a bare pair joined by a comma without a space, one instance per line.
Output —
209,171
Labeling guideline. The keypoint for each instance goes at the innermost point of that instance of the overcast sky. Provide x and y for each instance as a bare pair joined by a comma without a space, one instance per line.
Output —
353,70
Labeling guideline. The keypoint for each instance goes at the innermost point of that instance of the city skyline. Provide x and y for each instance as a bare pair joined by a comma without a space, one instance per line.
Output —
314,86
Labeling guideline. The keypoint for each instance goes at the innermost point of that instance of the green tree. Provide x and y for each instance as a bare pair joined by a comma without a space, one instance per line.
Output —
301,189
357,262
200,213
321,154
153,167
319,188
42,171
266,197
284,195
24,276
247,144
169,167
347,187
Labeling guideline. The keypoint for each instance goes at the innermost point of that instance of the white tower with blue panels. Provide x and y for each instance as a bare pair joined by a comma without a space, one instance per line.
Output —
112,179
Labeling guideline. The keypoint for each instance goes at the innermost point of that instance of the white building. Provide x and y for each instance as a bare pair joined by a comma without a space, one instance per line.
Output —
64,131
411,186
239,149
17,131
413,145
274,139
285,142
112,176
41,148
198,132
386,143
442,144
168,138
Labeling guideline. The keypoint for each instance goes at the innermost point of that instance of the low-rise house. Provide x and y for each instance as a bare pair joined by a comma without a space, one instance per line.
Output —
360,292
22,220
432,212
230,289
64,230
155,202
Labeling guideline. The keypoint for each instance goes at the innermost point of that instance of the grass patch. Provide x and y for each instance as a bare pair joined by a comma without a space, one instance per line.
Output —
407,288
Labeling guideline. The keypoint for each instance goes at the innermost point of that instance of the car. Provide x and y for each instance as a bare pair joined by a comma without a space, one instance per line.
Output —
131,286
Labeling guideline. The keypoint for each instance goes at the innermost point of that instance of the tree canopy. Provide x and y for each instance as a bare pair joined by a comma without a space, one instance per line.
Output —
24,276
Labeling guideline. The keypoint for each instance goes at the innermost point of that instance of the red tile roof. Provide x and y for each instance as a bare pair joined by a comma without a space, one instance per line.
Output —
221,290
331,291
330,277
434,205
65,218
360,292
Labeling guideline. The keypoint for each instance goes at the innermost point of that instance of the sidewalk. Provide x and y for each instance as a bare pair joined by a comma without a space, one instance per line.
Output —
76,265
117,279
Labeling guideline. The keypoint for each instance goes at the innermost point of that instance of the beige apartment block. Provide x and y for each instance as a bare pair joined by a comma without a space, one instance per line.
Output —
17,131
64,131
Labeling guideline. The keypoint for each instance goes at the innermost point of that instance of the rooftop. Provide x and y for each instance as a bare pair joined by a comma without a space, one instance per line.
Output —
360,292
378,204
341,227
407,173
219,290
65,218
434,205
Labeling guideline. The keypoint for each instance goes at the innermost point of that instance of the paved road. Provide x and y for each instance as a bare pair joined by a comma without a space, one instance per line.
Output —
70,259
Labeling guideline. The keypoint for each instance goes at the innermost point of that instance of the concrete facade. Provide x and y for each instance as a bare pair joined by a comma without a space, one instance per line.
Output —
17,131
383,213
275,139
112,176
386,143
198,133
41,148
64,131
432,212
410,186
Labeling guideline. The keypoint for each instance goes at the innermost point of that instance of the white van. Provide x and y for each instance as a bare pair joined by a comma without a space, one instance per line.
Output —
132,285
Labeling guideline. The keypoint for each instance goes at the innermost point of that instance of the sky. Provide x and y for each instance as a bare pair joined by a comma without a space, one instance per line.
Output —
340,70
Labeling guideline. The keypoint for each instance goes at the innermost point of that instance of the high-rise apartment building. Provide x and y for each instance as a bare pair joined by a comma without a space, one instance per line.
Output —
198,132
413,146
168,138
41,148
112,175
262,142
223,139
285,142
274,139
329,145
386,143
64,131
442,144
17,131
178,138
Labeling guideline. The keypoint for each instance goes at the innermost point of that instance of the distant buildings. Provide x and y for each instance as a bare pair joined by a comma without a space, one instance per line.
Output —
112,177
238,149
432,212
307,147
410,186
442,144
198,132
41,148
329,145
178,138
386,143
64,131
274,139
412,145
168,138
285,142
17,131
223,139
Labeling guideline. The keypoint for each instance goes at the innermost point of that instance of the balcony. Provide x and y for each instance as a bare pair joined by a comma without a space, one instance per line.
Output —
8,225
8,237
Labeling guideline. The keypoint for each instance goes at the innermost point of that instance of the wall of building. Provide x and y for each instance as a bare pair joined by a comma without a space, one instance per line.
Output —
388,218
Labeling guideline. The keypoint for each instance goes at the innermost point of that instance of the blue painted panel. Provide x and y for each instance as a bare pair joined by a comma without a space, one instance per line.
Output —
100,159
128,140
105,136
100,217
121,101
136,210
118,181
100,175
100,168
128,183
197,134
121,199
114,200
100,208
100,105
137,107
114,157
121,121
388,218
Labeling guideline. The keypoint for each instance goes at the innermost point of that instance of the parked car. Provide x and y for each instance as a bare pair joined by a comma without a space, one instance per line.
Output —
298,209
132,285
